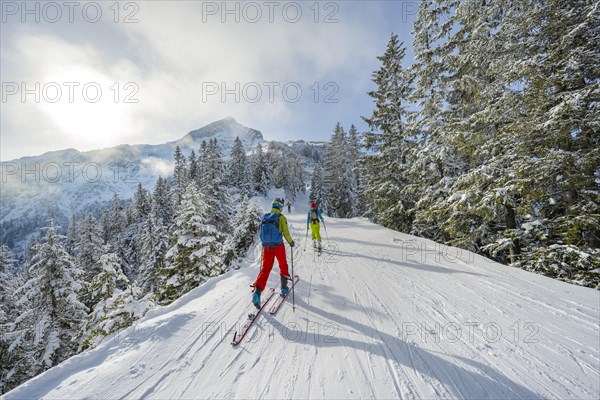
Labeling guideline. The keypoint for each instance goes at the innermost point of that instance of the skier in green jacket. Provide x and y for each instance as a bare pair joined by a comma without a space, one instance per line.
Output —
273,229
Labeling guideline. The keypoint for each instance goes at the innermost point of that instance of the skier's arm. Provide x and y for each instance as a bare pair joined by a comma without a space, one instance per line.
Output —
283,228
321,216
308,219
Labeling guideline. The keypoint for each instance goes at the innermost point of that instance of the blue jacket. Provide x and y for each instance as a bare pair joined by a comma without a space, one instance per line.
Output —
318,214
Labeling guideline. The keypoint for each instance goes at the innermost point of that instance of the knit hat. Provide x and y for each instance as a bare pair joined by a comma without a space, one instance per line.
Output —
278,203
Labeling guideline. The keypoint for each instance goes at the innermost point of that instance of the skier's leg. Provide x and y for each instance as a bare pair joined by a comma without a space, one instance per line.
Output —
314,228
279,252
318,232
266,267
283,267
312,231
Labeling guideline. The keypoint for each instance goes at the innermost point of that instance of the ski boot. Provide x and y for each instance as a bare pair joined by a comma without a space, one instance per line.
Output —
315,244
284,285
256,297
319,248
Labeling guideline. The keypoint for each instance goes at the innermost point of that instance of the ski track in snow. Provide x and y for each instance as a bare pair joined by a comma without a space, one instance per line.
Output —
374,319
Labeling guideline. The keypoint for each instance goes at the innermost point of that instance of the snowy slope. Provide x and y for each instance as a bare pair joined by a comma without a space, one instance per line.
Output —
379,315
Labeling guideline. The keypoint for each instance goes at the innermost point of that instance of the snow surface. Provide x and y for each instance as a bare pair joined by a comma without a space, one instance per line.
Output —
379,315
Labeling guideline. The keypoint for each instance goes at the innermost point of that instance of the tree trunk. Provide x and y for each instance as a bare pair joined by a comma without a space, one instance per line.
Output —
511,223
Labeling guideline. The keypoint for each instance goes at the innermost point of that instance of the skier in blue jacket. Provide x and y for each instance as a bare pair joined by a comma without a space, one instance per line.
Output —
312,220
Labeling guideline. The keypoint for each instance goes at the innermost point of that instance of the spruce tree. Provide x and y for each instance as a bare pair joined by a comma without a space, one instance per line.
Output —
276,161
8,313
117,222
560,140
105,228
129,216
45,330
180,176
196,252
141,200
354,155
238,170
72,235
246,222
89,248
391,140
260,171
317,190
161,204
117,302
193,170
109,278
28,256
339,180
443,155
293,178
213,187
153,244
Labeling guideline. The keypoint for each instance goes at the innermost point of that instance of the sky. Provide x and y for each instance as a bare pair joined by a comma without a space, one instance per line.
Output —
90,75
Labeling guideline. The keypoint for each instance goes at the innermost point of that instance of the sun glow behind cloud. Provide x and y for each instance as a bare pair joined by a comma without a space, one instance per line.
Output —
169,56
91,113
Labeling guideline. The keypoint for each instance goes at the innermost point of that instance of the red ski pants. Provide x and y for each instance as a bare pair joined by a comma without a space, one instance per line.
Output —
268,258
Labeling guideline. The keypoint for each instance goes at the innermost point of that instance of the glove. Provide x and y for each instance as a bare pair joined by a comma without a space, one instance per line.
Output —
292,244
306,227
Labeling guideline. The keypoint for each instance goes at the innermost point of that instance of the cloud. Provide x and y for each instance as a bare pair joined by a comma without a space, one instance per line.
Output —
172,55
157,166
66,94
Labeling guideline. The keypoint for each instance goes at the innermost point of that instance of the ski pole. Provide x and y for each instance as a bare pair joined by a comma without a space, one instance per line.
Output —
326,235
306,239
293,298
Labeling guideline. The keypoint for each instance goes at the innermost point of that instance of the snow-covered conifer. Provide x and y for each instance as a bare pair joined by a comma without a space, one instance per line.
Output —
390,140
196,252
238,170
260,171
246,222
44,332
213,187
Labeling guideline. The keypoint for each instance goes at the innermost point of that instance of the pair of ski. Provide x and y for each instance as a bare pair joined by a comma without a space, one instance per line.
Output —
238,336
317,248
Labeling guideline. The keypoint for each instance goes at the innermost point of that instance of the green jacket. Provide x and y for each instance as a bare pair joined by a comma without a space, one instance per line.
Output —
283,225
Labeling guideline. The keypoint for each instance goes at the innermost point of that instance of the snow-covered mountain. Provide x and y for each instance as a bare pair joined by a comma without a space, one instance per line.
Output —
60,183
379,315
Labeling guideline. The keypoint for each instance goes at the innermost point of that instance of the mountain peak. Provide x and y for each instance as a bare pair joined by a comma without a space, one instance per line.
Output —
228,119
225,130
